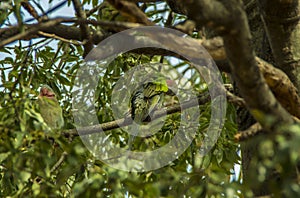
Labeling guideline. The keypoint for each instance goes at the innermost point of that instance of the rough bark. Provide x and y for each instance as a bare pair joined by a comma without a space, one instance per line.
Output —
262,48
236,34
282,22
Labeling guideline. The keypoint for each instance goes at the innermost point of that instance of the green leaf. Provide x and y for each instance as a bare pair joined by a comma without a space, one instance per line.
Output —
3,156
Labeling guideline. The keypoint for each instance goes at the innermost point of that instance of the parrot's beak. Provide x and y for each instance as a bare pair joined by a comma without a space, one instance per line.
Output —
47,93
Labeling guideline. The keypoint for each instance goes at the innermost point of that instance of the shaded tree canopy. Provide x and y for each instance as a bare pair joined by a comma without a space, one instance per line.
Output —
255,45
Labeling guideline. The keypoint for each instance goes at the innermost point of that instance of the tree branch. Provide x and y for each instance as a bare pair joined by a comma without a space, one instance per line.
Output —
280,84
131,11
282,88
202,99
59,162
235,99
85,32
282,23
253,130
59,38
228,18
53,26
31,10
29,32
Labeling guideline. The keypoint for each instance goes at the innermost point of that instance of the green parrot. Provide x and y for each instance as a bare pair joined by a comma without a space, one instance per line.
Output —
49,108
147,99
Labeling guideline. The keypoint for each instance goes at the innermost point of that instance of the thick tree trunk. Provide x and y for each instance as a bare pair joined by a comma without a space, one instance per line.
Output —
262,48
249,148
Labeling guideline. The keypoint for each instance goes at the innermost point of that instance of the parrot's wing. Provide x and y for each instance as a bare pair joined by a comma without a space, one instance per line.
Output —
154,103
144,102
138,105
154,88
51,112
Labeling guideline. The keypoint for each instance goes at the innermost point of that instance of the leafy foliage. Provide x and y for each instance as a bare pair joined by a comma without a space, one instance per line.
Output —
29,156
38,164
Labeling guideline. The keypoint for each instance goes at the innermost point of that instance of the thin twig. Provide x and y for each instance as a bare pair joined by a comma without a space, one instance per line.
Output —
131,11
59,162
31,10
253,130
235,99
59,38
93,10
